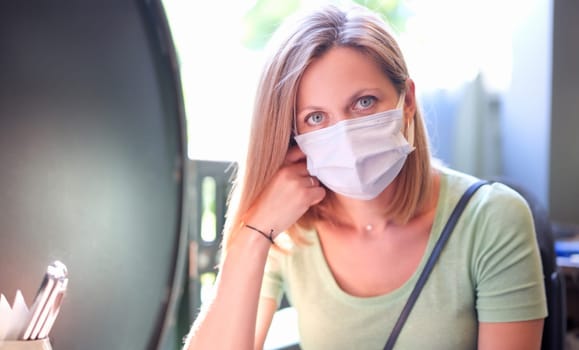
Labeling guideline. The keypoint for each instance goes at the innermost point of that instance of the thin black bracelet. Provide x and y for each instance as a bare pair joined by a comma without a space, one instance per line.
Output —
269,236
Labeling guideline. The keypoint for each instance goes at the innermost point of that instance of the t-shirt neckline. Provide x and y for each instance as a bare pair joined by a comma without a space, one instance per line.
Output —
329,282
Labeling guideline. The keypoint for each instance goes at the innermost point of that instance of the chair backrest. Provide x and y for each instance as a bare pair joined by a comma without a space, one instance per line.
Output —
555,324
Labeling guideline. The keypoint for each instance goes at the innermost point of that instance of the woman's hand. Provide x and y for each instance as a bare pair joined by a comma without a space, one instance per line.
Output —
287,196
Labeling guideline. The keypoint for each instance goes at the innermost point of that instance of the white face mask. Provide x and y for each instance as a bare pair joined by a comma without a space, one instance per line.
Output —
358,157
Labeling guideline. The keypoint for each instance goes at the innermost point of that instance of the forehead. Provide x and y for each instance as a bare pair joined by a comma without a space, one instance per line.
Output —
338,73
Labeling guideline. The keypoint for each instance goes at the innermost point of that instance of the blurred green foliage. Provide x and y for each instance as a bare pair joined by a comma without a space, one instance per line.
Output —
263,18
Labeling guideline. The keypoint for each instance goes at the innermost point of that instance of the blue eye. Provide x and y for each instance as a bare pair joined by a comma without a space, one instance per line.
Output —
315,119
365,102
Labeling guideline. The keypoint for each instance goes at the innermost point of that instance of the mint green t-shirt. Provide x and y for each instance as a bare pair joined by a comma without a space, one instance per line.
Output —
489,271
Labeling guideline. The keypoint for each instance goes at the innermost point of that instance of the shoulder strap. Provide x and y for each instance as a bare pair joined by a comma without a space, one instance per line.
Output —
447,230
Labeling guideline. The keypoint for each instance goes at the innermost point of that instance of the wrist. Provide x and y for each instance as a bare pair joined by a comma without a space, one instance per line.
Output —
269,235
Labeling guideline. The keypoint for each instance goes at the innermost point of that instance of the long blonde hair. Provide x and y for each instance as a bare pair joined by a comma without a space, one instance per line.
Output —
293,49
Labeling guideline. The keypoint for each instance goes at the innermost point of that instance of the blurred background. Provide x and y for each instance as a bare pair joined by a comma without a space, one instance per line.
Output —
494,78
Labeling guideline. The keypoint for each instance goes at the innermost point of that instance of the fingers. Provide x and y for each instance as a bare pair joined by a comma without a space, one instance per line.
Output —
318,195
298,167
294,155
296,163
316,192
289,194
312,181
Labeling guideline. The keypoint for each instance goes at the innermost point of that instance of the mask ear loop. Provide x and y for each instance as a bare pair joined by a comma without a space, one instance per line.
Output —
410,125
410,132
401,100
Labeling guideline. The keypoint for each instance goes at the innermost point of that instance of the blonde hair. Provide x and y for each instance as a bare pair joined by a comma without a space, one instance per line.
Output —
293,49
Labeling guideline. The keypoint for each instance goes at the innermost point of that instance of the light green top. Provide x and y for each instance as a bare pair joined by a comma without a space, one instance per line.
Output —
489,271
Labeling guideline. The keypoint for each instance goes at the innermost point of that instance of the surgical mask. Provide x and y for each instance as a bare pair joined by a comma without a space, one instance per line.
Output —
358,157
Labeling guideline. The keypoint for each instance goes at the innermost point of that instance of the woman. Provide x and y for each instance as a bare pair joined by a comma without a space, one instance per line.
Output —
363,206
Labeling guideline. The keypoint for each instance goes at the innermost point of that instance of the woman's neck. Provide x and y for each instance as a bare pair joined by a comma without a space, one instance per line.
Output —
369,217
364,216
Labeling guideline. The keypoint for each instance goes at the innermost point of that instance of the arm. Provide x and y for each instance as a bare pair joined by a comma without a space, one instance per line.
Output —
523,335
266,310
511,301
229,322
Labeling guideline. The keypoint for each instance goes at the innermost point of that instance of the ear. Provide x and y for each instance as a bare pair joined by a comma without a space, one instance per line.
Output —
409,100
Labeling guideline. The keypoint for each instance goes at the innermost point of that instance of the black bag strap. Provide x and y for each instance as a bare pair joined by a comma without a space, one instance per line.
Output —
446,231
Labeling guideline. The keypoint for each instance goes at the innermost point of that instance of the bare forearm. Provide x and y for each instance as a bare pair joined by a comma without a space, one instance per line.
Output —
229,322
523,335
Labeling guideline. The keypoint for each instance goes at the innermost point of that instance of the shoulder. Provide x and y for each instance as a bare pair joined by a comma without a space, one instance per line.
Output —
495,216
492,200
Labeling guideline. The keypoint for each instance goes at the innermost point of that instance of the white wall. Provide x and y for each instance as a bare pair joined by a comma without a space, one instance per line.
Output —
541,109
527,103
